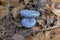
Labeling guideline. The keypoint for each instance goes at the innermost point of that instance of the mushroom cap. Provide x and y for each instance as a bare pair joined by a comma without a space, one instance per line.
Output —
29,13
28,22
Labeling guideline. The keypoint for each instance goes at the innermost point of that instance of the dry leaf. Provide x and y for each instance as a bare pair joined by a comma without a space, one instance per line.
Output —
56,37
39,36
21,6
17,37
37,28
56,31
1,0
52,6
56,12
56,0
14,12
29,37
3,11
14,2
26,1
41,22
47,35
2,3
47,6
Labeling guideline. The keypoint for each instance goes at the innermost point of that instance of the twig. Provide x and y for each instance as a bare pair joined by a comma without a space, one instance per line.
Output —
47,29
45,3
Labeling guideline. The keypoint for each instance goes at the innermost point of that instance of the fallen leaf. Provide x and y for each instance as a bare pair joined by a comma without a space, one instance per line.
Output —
39,36
56,37
47,35
14,2
36,28
56,0
26,1
52,6
14,12
41,22
56,31
17,37
29,37
2,3
21,6
3,11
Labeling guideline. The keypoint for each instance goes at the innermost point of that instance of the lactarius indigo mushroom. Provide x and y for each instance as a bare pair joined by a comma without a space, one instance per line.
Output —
29,13
29,20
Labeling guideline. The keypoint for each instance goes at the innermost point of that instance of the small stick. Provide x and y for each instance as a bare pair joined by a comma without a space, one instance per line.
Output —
47,29
41,30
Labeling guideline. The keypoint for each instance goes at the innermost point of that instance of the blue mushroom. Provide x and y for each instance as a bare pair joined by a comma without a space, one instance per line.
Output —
29,13
28,22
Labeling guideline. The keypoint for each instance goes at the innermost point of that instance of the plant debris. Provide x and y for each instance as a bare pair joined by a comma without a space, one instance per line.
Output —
47,25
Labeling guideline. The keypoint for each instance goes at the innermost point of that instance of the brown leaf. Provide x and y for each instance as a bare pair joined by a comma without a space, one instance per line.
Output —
21,6
47,6
47,35
14,2
17,37
3,11
56,0
14,12
26,1
37,28
29,37
39,36
41,22
56,31
2,3
56,37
